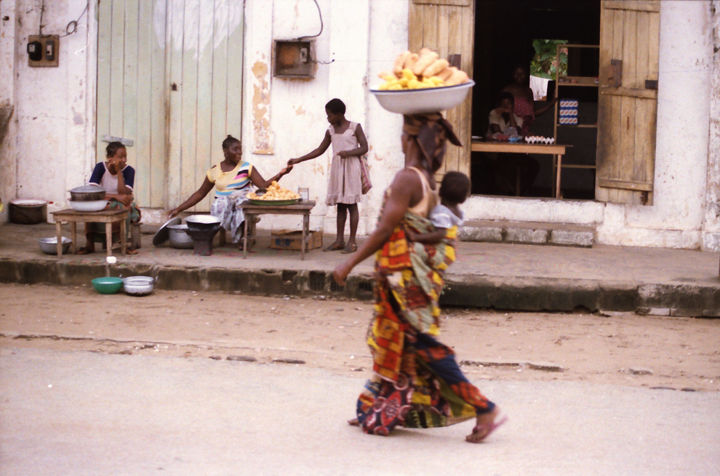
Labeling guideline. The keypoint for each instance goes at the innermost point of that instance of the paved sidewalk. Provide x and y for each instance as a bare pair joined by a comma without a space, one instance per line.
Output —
497,275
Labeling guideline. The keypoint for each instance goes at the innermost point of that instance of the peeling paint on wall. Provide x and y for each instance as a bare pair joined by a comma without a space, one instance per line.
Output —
262,135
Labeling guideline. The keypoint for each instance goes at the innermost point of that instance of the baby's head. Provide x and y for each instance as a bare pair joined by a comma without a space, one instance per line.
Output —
335,110
455,188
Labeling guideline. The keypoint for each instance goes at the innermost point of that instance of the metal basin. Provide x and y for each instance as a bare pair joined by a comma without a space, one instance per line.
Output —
49,245
139,285
202,221
88,206
179,237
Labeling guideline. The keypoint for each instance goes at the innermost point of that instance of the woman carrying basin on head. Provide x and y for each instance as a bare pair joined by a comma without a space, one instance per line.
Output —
232,179
416,380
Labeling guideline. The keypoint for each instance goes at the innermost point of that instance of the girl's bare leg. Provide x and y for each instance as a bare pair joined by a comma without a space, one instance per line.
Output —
354,220
339,242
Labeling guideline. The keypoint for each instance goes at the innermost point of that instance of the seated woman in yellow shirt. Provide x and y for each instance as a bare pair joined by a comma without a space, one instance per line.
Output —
232,179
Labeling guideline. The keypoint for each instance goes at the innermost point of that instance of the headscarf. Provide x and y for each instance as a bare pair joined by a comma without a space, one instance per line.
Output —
430,131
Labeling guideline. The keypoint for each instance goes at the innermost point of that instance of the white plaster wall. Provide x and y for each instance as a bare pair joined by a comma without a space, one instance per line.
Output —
8,169
53,136
711,226
349,58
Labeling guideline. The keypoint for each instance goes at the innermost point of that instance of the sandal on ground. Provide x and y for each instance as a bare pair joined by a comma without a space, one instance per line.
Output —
350,249
335,246
486,429
83,251
131,251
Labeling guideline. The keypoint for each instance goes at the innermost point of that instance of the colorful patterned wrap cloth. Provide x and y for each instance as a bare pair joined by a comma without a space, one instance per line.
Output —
417,382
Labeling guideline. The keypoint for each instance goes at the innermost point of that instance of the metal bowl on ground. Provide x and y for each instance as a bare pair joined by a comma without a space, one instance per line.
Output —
422,101
87,193
49,245
107,284
139,285
179,237
27,211
88,206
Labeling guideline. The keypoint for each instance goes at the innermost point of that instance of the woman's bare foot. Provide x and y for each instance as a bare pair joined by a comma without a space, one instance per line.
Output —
485,425
353,422
84,251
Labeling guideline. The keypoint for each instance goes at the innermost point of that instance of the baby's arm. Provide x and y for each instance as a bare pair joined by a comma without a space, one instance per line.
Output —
362,148
432,237
317,152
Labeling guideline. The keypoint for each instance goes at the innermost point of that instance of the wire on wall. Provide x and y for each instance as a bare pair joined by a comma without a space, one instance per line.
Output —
321,24
70,28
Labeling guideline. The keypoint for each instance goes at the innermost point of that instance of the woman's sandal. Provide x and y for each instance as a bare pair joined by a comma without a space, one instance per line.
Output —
335,246
83,251
486,429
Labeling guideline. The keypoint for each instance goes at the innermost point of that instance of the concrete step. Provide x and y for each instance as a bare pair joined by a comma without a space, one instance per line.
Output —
538,233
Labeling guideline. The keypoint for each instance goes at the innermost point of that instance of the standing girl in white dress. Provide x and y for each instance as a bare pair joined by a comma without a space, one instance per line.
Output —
345,184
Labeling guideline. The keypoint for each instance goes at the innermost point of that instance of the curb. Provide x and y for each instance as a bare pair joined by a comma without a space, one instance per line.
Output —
472,291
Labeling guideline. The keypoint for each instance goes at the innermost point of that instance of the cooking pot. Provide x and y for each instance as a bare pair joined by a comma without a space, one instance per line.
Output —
87,193
179,237
27,212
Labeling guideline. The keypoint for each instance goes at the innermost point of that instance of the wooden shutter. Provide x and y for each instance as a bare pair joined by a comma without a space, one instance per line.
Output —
448,27
627,100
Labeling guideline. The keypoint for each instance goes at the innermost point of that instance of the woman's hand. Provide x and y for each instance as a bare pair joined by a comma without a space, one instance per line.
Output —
286,170
341,272
173,212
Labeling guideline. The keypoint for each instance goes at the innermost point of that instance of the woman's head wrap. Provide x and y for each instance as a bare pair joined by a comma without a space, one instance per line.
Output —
430,131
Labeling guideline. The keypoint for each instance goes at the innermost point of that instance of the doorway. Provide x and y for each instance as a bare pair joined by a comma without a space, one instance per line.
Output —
169,84
504,34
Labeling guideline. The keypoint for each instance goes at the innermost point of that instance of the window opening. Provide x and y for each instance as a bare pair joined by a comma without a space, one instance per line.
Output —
515,33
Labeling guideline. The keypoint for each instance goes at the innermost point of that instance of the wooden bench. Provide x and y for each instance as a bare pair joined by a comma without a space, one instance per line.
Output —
555,150
104,216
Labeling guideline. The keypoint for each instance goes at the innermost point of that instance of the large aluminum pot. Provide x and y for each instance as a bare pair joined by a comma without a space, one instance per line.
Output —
27,211
179,237
87,193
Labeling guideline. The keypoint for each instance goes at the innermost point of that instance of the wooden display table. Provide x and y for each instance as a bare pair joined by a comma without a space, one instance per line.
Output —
104,216
556,150
300,208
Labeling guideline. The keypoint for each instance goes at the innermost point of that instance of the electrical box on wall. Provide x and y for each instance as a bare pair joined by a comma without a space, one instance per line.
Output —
294,59
43,50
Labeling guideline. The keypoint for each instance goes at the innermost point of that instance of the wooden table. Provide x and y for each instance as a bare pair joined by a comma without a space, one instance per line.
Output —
104,216
556,150
301,208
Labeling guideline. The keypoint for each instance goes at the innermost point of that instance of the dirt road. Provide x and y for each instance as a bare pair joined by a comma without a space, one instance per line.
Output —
623,349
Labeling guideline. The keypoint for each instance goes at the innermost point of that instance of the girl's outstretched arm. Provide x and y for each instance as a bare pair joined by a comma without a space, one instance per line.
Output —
362,145
318,151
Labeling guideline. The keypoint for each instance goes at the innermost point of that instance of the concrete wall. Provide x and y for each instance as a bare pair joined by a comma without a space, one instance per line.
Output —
49,144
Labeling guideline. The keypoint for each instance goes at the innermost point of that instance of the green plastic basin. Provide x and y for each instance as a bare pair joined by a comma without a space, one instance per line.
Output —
107,285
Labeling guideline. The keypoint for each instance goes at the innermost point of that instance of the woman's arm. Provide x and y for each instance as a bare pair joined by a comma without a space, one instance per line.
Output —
260,182
198,195
406,189
317,152
362,148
